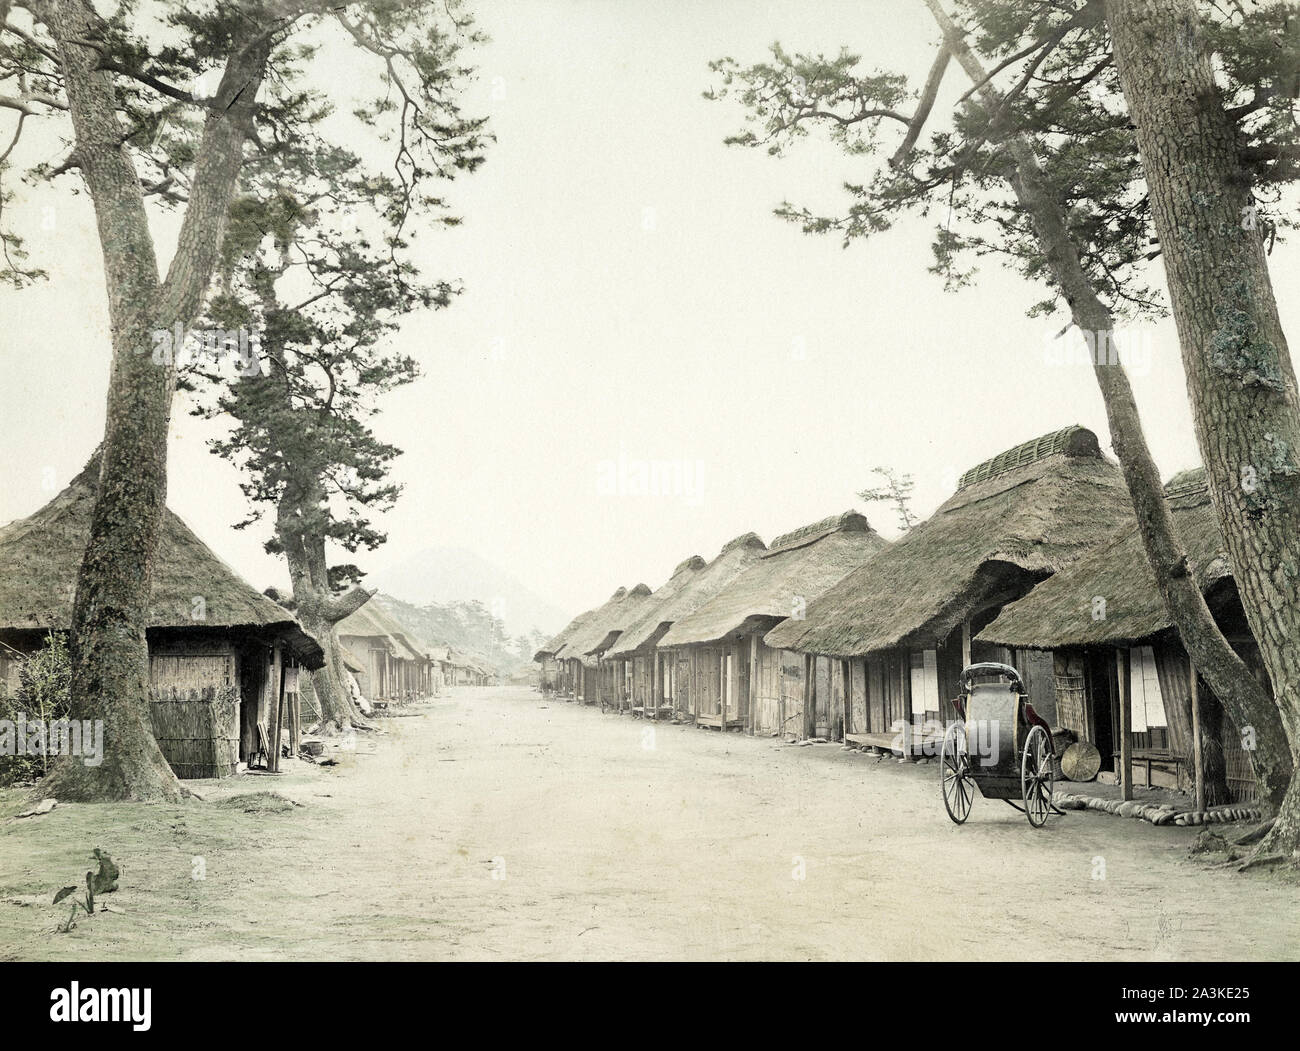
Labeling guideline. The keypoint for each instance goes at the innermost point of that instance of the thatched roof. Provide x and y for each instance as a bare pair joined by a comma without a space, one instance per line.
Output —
351,660
795,569
552,647
681,578
372,621
692,584
470,661
1060,611
40,556
413,640
1014,519
596,634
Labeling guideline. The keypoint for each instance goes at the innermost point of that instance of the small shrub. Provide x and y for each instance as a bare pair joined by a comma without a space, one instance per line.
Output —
45,681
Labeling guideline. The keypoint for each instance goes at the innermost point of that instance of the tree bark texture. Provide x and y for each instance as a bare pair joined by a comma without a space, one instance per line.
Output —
1220,666
110,612
1239,372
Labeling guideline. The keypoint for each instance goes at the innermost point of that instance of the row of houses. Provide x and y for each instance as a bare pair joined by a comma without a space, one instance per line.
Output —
392,665
226,662
833,632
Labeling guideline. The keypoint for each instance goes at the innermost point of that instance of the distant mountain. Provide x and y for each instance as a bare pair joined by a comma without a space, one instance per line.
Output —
446,575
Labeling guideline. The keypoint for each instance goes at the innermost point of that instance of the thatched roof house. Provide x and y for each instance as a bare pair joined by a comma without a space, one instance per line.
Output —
1061,611
193,589
397,664
713,664
580,653
691,585
470,669
794,570
222,656
1104,620
559,644
563,647
1014,520
556,675
888,642
372,621
598,633
551,648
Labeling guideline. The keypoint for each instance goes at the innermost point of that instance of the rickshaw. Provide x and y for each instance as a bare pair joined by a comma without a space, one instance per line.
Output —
1014,758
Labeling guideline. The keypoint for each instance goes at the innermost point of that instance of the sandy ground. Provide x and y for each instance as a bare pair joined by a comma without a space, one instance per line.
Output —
485,825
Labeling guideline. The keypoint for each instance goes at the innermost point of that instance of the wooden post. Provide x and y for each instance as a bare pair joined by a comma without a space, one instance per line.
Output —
275,694
809,696
724,684
1198,766
846,671
656,682
1125,726
965,644
780,694
753,683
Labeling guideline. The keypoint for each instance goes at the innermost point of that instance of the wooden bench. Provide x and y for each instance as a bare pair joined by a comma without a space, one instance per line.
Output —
889,742
717,721
1152,756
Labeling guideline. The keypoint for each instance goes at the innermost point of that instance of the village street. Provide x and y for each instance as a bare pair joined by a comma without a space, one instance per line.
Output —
488,825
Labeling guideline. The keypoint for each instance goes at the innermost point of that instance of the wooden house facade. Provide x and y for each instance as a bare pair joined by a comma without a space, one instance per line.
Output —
224,660
1122,679
594,679
881,651
636,669
668,680
741,683
395,669
561,680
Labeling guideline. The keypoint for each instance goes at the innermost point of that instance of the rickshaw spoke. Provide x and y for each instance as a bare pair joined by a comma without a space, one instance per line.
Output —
1036,777
957,794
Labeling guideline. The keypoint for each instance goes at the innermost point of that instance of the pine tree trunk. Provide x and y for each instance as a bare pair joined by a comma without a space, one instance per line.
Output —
1239,373
337,712
1214,764
110,670
318,610
1225,672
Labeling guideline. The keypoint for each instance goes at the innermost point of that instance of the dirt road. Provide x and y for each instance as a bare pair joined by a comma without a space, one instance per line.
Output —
487,826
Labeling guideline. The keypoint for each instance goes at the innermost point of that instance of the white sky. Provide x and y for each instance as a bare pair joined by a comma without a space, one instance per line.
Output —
629,298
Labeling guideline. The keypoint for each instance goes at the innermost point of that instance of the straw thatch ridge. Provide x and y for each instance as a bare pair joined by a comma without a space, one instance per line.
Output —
192,588
1073,441
567,649
552,647
844,522
1032,510
685,592
596,635
797,568
1061,611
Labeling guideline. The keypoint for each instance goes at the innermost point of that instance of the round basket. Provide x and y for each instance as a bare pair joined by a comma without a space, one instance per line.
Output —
1080,762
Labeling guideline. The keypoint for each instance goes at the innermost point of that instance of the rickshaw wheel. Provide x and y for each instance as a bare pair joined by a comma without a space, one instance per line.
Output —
954,767
1037,778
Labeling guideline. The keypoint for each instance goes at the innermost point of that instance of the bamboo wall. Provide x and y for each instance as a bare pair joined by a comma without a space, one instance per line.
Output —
195,699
